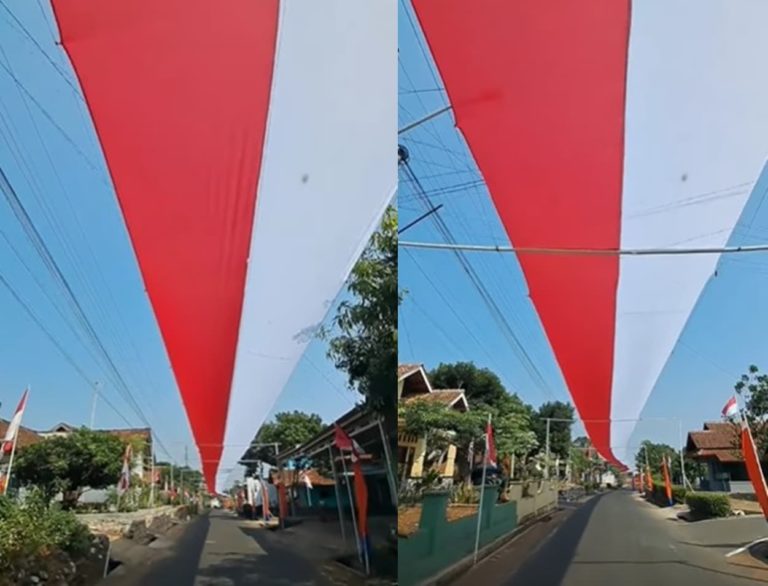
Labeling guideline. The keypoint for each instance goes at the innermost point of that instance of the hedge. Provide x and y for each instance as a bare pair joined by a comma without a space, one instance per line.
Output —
709,504
659,495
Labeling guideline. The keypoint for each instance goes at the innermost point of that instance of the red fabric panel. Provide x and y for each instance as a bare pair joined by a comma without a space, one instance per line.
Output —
282,501
667,481
753,469
178,91
361,498
538,90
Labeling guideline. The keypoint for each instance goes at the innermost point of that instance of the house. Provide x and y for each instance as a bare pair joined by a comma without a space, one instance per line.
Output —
298,485
365,428
140,438
58,430
413,385
608,479
27,437
717,447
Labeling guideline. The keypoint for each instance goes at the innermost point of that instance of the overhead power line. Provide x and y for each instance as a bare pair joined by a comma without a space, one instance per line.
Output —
20,26
585,251
58,345
426,118
58,276
496,313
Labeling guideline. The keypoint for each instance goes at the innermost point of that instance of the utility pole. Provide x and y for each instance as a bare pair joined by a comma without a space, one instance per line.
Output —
186,465
686,484
151,471
546,470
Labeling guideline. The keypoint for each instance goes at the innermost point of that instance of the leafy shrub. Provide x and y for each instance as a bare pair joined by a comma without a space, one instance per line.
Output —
659,494
679,493
32,528
709,504
465,495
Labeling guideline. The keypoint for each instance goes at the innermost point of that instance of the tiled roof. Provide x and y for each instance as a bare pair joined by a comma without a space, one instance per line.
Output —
715,436
445,396
27,437
143,433
406,369
717,440
725,456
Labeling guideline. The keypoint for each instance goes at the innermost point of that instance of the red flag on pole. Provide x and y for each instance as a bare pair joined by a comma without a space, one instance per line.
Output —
731,408
15,423
282,501
649,479
753,467
667,482
346,444
490,445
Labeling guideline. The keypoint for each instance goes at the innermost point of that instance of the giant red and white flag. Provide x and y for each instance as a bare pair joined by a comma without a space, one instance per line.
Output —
610,125
251,144
13,426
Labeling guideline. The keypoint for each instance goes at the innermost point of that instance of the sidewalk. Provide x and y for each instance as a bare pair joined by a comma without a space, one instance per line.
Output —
507,560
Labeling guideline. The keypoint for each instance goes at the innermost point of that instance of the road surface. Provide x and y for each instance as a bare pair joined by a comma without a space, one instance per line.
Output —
218,550
616,538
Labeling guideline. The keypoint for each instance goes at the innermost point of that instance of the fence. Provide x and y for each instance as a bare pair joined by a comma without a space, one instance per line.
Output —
439,544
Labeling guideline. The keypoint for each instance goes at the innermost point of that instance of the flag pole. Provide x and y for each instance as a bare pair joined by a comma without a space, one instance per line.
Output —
351,507
482,493
338,496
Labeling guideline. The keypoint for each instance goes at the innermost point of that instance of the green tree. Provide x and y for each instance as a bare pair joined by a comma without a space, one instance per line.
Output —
363,341
656,452
581,462
559,431
441,427
753,388
289,429
482,387
83,459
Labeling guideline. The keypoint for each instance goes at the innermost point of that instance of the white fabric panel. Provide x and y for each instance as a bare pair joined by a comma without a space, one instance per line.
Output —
696,123
329,169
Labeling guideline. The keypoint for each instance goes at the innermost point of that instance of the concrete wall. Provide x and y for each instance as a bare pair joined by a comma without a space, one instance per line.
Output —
439,544
741,487
542,497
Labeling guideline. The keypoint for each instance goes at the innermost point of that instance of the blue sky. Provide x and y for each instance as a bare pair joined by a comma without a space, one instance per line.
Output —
49,152
443,318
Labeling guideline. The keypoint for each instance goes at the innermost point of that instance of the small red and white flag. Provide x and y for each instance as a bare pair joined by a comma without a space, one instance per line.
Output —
346,444
125,475
15,424
731,408
490,446
304,477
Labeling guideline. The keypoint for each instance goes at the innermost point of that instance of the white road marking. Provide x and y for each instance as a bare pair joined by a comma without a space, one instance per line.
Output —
746,547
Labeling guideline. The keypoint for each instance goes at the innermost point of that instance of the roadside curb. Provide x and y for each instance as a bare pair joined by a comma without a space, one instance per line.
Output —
467,563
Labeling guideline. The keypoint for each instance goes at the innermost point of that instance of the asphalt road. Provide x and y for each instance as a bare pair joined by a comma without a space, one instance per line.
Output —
218,550
616,538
